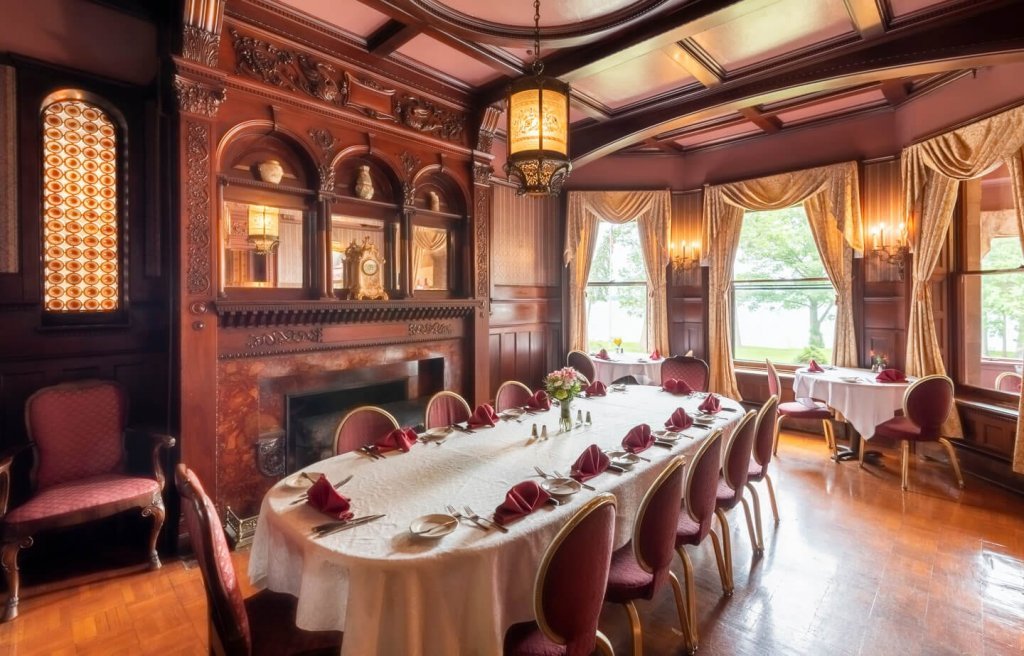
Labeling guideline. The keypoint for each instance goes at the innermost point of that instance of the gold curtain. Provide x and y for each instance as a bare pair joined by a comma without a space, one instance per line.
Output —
652,212
426,240
930,172
831,199
1016,164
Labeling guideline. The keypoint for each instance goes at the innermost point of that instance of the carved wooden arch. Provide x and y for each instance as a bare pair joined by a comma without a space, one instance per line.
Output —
382,164
457,187
262,127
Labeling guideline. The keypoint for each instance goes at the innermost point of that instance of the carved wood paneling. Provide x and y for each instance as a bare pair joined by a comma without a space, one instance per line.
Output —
8,173
241,314
880,206
526,239
481,239
197,98
197,183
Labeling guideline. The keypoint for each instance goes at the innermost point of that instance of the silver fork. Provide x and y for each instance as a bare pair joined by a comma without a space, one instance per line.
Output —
457,515
477,518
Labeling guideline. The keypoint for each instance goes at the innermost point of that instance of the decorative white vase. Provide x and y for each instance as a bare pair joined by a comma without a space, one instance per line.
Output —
435,201
364,184
270,171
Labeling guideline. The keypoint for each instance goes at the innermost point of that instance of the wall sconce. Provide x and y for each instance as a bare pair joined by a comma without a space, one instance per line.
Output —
891,249
263,228
686,257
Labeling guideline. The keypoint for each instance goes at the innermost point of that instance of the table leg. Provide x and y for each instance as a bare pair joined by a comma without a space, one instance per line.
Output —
853,452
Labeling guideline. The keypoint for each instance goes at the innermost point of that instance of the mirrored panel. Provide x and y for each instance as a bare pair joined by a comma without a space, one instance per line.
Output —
430,258
344,231
263,246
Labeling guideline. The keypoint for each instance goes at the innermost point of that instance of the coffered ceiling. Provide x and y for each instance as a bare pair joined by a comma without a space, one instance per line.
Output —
679,75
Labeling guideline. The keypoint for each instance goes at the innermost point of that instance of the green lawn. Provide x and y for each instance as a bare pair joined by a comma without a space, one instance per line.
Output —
776,355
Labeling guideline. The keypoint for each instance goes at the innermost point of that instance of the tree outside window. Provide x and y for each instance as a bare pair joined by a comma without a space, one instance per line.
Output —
784,305
617,289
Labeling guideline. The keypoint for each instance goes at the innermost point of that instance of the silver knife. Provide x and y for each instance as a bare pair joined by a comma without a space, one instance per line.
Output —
352,523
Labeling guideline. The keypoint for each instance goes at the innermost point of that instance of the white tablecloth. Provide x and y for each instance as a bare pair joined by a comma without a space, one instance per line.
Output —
392,593
854,392
647,372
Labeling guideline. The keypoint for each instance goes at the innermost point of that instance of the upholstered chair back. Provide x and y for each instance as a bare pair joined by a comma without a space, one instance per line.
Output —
362,426
693,371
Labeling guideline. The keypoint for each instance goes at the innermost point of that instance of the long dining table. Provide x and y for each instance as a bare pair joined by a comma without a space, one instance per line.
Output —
392,592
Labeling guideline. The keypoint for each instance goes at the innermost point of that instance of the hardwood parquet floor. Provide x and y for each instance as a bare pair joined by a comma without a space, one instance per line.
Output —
854,567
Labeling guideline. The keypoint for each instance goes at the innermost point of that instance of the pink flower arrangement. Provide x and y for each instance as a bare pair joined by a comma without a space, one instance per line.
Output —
563,384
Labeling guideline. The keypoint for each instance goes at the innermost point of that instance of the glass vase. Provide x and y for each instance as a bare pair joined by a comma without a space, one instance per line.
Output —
565,416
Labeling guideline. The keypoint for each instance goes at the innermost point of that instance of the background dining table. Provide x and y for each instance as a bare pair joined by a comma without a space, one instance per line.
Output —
639,365
395,593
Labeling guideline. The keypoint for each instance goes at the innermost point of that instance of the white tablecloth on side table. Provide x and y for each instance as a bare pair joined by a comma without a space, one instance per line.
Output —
854,392
647,372
392,593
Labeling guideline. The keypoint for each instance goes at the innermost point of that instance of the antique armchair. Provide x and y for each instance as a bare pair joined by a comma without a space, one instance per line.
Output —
79,471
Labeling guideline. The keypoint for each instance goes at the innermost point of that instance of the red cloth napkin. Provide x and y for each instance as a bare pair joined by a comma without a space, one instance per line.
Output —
596,388
638,439
603,354
814,367
327,500
891,376
676,386
484,415
710,405
591,462
539,401
520,501
655,355
398,439
679,420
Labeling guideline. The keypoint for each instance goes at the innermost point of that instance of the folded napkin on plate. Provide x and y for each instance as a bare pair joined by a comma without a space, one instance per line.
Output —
397,439
327,500
638,439
520,501
655,355
676,386
679,420
602,354
814,367
596,388
539,401
591,462
710,405
484,415
891,376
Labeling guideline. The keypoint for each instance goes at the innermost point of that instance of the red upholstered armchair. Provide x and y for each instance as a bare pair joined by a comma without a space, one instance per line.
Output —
78,475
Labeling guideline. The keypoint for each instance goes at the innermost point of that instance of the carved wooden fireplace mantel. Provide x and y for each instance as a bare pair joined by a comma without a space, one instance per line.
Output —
244,314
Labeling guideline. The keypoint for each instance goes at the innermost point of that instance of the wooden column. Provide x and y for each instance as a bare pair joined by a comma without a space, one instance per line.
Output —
481,279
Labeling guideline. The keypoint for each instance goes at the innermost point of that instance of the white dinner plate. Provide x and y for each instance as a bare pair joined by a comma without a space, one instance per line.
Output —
438,433
433,526
618,387
514,412
560,487
849,379
623,458
666,436
300,482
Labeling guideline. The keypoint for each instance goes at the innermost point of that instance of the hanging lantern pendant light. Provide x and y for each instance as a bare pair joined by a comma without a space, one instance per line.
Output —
537,108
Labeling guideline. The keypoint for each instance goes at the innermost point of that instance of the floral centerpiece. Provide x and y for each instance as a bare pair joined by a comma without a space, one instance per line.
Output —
564,385
618,344
879,362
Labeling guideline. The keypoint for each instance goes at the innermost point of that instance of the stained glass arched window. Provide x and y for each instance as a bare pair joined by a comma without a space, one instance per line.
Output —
80,207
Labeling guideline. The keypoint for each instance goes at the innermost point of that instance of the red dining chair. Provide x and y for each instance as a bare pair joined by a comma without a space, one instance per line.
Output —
926,405
806,409
764,439
363,425
696,522
583,364
80,472
640,567
261,624
446,408
1008,381
735,469
511,394
693,371
569,588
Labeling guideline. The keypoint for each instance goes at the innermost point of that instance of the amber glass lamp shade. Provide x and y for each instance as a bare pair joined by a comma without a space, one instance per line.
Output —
264,227
538,134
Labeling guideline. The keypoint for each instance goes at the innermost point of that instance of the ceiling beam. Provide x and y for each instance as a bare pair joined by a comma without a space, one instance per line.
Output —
589,106
989,39
389,37
670,147
768,124
867,18
895,91
699,63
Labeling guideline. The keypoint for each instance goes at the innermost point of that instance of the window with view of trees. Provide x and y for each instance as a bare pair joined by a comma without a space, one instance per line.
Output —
784,305
992,285
617,289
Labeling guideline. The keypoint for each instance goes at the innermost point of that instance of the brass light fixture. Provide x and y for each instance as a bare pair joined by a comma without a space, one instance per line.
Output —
263,228
537,108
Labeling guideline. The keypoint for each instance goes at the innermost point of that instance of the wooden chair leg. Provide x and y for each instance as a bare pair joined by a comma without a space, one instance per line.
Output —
634,625
775,442
756,502
953,460
692,634
156,511
9,560
604,645
771,497
830,439
684,620
905,467
723,554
